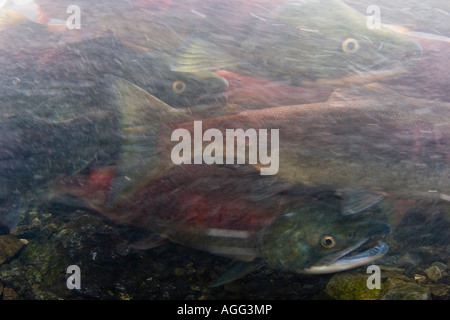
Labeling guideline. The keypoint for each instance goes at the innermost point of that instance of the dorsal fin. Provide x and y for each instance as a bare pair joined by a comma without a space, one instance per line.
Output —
199,54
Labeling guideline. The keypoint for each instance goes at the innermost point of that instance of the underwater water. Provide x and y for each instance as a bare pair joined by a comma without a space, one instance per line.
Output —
204,149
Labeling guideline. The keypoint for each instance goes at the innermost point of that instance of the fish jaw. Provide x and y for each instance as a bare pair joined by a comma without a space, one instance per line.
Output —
345,263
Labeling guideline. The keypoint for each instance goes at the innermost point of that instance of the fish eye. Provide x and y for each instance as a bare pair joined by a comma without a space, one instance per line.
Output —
350,45
328,241
179,86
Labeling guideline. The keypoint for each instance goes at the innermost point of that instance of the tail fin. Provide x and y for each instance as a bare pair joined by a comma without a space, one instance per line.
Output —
20,12
10,18
144,122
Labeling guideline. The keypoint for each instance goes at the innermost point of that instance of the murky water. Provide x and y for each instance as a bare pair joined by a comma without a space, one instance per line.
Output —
199,150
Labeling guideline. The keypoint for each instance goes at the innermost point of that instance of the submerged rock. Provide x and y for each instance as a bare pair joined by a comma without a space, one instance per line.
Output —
420,278
40,272
394,286
442,266
398,289
440,290
9,246
351,286
433,273
10,294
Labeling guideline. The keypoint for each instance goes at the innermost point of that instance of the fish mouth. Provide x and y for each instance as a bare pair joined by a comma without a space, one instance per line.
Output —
372,249
212,98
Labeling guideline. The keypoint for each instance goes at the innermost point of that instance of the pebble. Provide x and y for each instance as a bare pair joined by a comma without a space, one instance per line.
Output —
125,296
47,215
196,288
36,222
433,273
33,214
178,271
49,229
442,266
9,246
350,286
9,294
420,279
439,290
397,289
123,249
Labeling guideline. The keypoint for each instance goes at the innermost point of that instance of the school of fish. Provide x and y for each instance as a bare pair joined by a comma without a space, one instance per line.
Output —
90,114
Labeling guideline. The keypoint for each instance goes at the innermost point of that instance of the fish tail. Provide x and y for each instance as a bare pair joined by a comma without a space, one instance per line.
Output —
144,123
10,18
12,13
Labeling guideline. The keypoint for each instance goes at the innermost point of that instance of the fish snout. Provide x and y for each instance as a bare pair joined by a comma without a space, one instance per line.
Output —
414,51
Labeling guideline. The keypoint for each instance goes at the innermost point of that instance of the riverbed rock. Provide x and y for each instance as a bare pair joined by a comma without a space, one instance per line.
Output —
351,286
399,289
433,273
9,247
10,294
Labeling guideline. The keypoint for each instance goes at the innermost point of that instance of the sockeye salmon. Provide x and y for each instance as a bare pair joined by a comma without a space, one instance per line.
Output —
303,43
387,144
234,212
78,68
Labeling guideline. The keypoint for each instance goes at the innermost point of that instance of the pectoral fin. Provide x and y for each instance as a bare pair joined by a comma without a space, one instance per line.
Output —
150,242
237,270
355,201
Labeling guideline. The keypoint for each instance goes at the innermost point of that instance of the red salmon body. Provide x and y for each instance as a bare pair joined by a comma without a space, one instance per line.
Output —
429,77
252,93
221,209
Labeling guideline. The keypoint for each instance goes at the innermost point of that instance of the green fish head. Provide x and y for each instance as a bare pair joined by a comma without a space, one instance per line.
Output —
151,71
318,40
318,239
